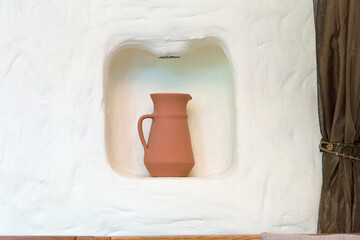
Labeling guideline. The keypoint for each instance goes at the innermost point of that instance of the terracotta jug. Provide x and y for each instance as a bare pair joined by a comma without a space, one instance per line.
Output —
168,152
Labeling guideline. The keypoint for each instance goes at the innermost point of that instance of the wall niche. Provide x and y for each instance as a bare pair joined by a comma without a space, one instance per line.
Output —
203,70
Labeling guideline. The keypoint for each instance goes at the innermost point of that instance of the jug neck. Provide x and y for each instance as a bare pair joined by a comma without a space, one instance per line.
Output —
170,103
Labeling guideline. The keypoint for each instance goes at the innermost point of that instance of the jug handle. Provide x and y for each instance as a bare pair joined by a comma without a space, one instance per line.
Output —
141,133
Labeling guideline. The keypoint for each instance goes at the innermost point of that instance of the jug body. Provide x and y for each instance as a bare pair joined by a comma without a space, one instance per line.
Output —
168,152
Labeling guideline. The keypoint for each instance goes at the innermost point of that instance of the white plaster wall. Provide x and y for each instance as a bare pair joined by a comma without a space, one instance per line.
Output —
54,174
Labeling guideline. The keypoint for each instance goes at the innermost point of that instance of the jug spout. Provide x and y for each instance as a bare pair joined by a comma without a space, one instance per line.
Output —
177,96
173,102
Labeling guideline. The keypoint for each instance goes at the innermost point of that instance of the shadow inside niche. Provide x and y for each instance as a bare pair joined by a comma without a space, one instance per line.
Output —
203,72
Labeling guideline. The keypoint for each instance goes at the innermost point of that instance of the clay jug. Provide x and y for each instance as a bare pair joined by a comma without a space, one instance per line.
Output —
168,152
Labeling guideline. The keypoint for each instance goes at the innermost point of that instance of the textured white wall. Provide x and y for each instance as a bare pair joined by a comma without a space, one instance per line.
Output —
54,174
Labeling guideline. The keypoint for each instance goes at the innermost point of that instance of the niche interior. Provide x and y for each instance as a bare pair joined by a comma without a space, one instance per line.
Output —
203,70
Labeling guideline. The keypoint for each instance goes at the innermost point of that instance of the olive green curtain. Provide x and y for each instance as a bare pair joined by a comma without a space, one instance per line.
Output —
337,25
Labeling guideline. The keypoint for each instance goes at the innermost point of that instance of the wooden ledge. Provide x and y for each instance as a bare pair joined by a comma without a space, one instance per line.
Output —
198,237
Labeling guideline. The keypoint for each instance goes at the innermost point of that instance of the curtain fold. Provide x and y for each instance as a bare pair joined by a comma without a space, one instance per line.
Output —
337,24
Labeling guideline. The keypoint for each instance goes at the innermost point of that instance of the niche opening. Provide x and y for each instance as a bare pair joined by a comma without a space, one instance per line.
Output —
204,72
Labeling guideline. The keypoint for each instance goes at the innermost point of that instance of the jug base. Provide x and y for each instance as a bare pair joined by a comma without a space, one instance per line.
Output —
169,169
